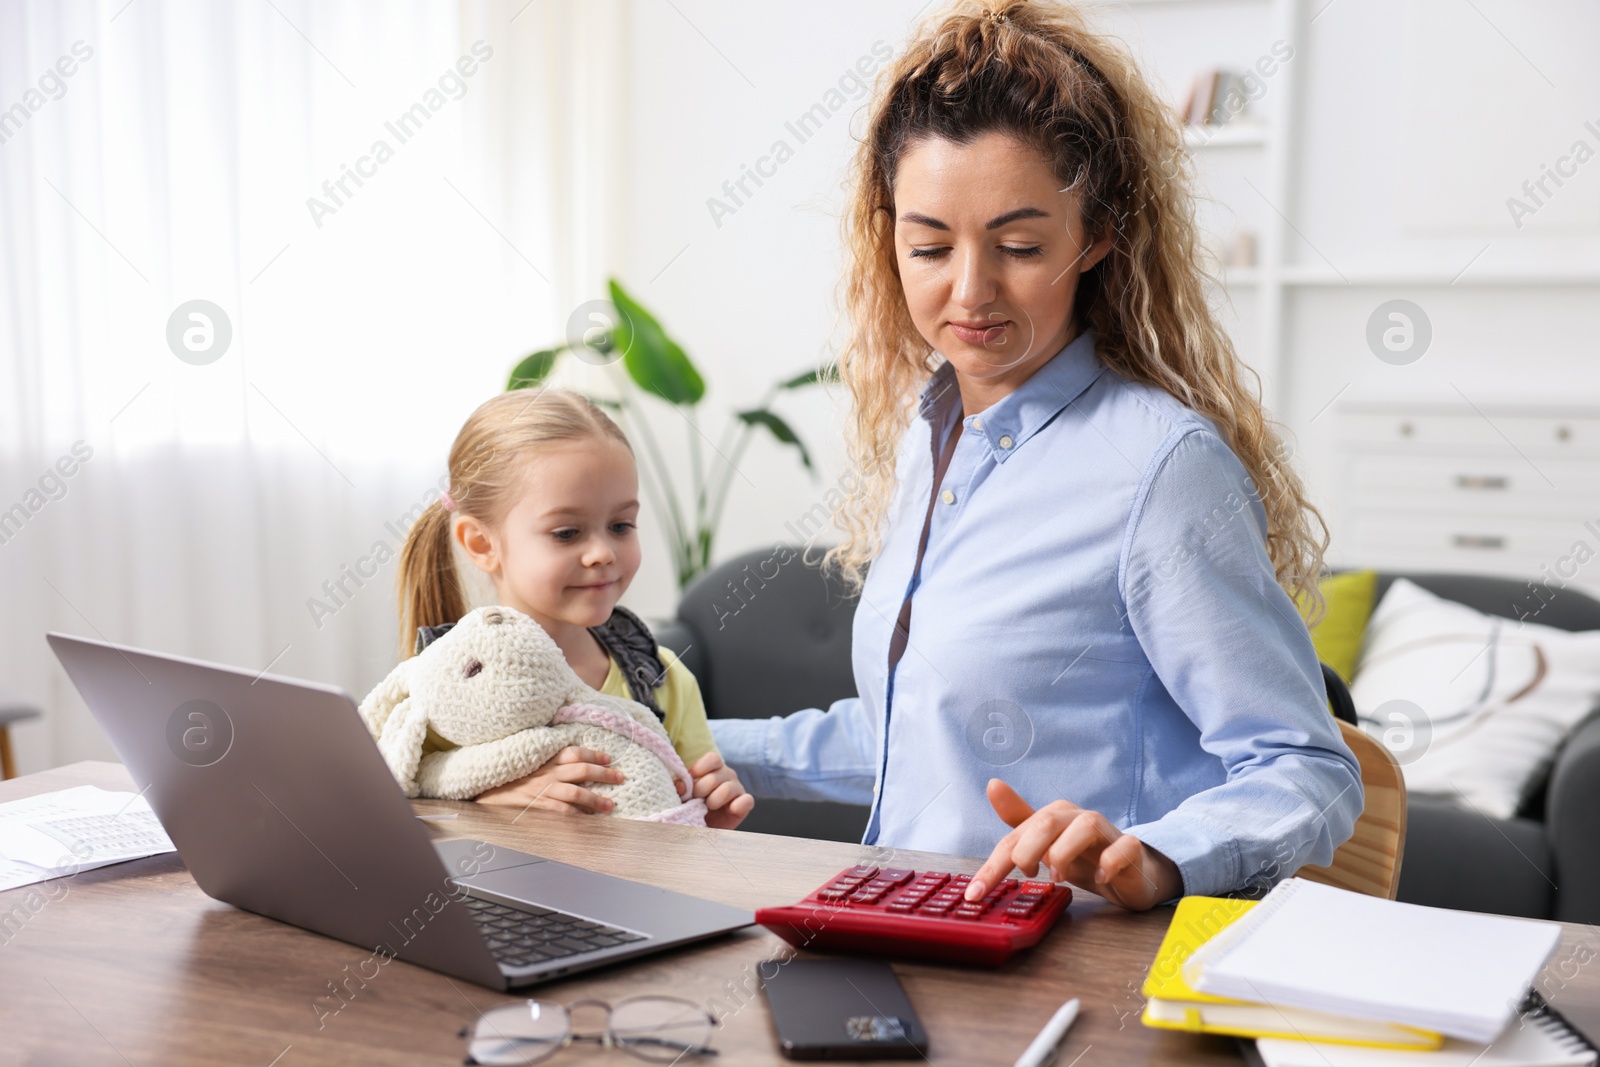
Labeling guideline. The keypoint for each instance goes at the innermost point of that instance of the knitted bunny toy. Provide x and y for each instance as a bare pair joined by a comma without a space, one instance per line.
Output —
497,685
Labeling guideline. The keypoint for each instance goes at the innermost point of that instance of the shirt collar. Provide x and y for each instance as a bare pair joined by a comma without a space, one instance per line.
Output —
1020,414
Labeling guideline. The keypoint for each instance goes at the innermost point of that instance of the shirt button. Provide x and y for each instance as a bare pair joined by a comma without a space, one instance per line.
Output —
1005,442
977,424
948,497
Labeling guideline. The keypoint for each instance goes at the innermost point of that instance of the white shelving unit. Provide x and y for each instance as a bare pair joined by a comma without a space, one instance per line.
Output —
1323,171
1270,139
1378,276
1234,135
1279,139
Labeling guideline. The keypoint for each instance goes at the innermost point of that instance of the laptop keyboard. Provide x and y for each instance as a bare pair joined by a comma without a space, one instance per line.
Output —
528,934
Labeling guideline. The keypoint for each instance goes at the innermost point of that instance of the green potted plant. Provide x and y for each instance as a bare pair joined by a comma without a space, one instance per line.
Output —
656,365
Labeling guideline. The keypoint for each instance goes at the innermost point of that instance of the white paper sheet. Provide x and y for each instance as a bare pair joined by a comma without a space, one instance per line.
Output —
58,834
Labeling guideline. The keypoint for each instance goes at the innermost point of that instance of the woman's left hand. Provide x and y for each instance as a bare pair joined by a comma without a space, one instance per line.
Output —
1078,846
718,785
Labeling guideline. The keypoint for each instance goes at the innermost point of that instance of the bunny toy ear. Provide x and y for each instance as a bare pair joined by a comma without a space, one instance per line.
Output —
385,697
401,743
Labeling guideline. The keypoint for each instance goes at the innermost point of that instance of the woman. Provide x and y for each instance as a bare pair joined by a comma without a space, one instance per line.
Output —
1084,538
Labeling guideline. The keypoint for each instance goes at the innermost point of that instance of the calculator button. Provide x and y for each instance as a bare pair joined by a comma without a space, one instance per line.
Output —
901,905
861,871
896,875
1037,887
832,894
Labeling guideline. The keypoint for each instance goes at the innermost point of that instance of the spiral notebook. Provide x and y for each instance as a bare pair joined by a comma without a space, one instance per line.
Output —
1540,1038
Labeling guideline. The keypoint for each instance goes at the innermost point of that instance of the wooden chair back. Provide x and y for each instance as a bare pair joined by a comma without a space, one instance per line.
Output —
1370,861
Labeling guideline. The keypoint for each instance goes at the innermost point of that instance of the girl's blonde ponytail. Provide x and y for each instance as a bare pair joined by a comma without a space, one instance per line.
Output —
430,590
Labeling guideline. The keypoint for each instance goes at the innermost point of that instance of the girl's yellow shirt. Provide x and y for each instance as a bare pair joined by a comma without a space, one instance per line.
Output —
679,697
680,700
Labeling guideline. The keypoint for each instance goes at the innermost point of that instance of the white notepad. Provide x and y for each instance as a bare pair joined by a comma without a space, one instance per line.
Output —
1541,1040
1308,945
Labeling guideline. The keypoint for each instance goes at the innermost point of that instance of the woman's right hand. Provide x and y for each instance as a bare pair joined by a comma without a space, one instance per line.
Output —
558,785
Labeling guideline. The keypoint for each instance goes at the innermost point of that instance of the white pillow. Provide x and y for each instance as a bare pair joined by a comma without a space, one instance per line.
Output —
1473,706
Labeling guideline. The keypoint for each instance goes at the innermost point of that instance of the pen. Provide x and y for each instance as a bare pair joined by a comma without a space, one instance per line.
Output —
1044,1046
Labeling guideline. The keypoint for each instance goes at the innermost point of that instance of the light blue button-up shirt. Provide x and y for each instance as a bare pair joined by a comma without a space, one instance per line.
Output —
1097,620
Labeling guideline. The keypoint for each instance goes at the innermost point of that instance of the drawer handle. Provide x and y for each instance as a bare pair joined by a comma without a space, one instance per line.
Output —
1482,481
1479,541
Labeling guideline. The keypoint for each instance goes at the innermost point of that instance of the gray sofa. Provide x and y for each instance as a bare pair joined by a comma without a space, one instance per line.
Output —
1545,862
767,639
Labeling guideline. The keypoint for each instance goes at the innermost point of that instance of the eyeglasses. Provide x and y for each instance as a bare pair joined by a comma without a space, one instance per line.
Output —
660,1029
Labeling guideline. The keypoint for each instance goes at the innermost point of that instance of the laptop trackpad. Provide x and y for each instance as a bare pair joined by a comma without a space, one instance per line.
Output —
648,909
464,857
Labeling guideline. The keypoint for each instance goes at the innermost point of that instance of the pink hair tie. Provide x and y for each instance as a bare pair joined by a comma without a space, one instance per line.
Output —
445,499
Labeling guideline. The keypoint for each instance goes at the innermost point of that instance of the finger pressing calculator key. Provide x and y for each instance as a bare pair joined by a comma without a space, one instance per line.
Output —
899,912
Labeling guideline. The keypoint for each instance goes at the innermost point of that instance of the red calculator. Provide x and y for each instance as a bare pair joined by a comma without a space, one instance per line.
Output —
898,912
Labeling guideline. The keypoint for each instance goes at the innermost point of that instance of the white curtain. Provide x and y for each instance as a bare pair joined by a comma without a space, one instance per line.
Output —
390,203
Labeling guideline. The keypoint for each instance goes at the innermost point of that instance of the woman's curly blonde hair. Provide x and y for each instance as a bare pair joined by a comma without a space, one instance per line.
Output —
1033,68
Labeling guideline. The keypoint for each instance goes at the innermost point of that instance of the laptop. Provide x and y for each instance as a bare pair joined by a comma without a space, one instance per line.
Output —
280,803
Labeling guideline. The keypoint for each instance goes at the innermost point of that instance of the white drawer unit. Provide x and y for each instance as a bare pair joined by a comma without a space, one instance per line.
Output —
1449,429
1507,491
1474,485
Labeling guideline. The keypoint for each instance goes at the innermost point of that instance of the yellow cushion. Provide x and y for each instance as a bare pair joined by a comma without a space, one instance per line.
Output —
1337,636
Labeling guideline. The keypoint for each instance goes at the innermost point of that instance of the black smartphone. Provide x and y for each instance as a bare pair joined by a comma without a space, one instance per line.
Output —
843,1010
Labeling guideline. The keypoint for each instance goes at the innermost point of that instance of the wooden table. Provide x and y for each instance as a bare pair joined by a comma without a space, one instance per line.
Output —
133,965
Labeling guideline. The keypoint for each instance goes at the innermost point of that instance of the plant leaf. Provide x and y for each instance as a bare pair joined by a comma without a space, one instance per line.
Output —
780,429
810,377
534,369
653,360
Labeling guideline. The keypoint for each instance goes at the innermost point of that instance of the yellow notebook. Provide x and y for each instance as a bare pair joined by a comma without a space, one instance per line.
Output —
1171,1004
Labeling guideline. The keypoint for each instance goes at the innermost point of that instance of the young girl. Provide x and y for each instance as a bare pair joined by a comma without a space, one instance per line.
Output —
1076,648
543,500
